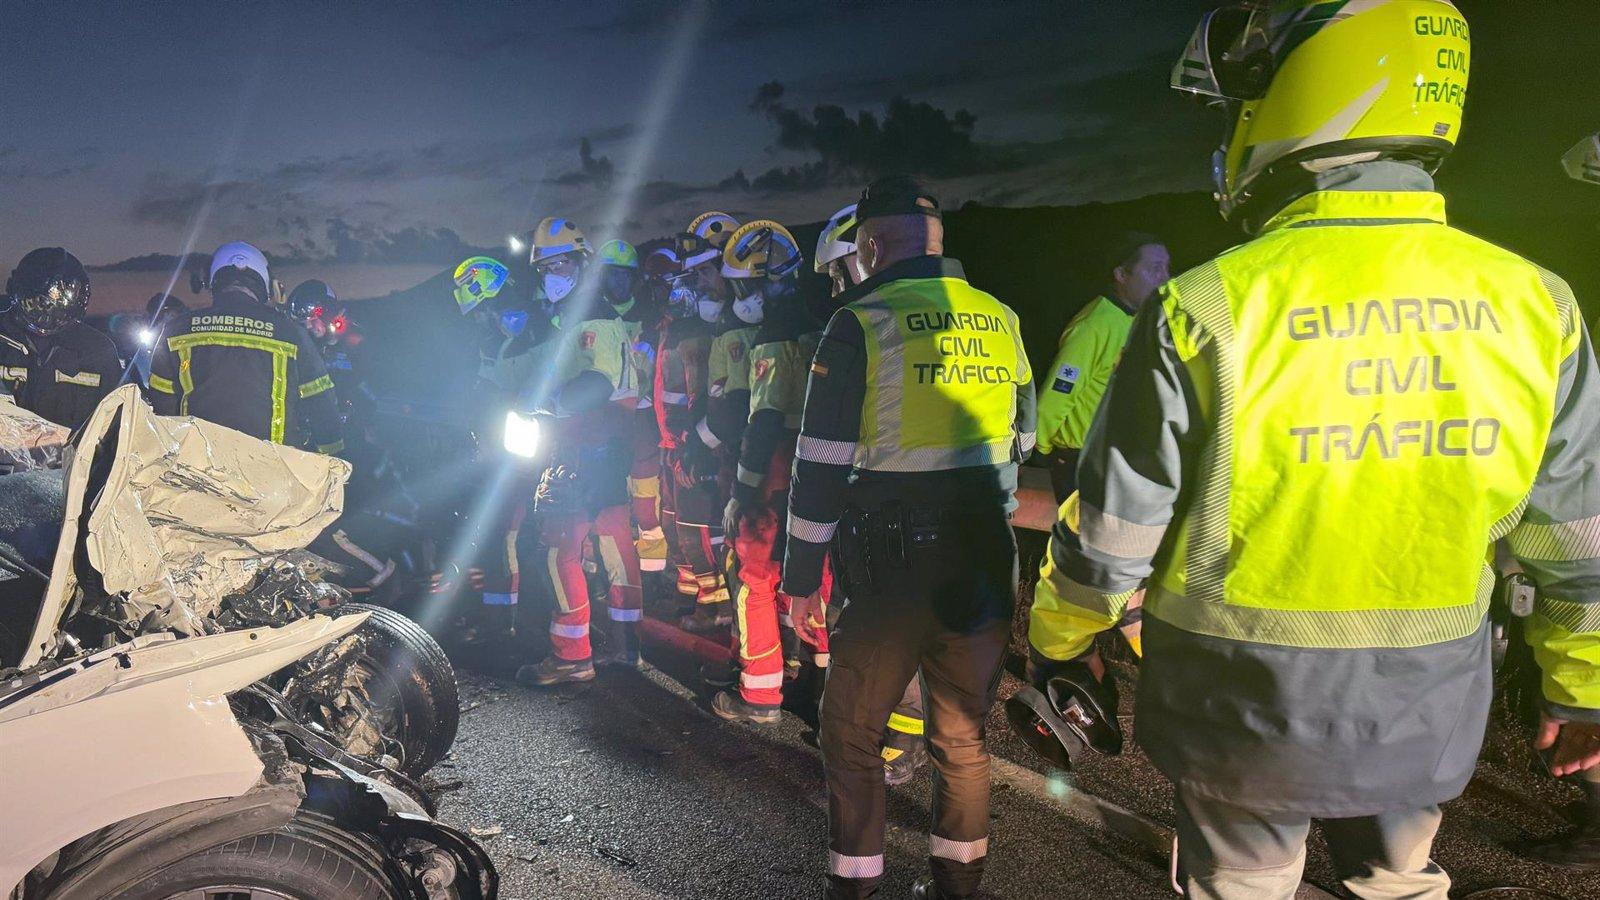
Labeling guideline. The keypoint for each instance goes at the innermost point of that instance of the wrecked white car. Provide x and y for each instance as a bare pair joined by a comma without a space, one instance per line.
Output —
177,714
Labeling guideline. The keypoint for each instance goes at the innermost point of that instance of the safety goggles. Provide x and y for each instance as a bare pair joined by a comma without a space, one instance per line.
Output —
1230,57
782,256
565,264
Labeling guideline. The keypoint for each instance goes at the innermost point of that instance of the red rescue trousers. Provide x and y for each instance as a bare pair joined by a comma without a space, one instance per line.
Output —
644,485
565,535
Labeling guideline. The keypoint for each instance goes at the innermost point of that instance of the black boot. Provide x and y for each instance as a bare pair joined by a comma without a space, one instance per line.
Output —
623,648
1578,850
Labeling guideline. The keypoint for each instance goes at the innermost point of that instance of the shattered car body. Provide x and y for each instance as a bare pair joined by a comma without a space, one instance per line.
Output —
142,753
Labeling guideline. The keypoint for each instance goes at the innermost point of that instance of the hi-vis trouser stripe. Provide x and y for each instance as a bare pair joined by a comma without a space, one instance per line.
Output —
905,724
281,351
958,851
855,866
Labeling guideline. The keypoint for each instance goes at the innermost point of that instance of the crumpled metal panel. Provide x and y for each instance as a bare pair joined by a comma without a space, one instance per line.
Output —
27,440
188,513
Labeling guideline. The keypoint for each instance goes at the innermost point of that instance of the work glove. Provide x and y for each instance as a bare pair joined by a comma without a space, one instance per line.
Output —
558,488
730,518
1085,668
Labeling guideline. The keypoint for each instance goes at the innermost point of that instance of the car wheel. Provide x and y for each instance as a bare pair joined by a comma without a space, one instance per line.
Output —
304,860
411,684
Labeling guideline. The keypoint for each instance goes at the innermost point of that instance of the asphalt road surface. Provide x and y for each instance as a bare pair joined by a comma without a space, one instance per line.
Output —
628,787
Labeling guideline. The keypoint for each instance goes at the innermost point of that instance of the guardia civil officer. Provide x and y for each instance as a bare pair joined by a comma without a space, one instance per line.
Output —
919,408
1307,448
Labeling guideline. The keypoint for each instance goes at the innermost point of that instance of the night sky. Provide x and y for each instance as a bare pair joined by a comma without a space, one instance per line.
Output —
384,134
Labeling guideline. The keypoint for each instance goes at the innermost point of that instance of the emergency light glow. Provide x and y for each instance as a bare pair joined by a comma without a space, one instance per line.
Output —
146,337
516,244
521,435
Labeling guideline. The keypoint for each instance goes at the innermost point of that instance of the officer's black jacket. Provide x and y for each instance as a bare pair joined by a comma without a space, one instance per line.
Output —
62,376
249,366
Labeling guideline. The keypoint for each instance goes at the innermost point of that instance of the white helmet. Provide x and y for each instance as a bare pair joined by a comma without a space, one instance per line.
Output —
240,255
837,239
1582,162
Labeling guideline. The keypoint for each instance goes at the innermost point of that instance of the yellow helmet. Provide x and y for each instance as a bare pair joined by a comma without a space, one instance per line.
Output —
553,237
1316,80
760,249
714,227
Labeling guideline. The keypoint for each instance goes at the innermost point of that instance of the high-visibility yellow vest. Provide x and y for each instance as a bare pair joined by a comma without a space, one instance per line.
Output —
944,362
604,346
778,376
728,361
1378,415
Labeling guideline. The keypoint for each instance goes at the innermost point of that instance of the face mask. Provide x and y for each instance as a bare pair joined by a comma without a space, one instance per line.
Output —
710,310
557,287
749,309
513,321
682,301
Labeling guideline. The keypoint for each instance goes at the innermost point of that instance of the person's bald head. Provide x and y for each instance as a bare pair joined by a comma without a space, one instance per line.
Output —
886,240
900,219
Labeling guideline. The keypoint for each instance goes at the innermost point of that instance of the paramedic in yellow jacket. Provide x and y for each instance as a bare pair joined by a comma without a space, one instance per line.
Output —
1089,349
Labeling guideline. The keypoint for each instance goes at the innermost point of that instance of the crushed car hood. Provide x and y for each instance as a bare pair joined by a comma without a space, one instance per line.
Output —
174,513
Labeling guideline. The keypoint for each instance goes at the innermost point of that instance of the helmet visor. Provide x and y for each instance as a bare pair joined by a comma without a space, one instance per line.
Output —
59,303
1229,56
1582,162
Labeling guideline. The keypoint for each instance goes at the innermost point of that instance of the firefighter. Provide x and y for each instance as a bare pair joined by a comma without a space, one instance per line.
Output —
761,260
51,361
682,398
244,362
1316,638
919,409
583,494
624,285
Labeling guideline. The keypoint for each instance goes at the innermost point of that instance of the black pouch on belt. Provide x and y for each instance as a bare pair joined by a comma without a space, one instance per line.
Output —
854,550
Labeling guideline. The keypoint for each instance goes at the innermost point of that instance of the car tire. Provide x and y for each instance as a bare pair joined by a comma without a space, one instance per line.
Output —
307,859
415,677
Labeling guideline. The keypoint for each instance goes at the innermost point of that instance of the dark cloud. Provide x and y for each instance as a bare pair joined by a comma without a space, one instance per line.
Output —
156,262
594,170
347,242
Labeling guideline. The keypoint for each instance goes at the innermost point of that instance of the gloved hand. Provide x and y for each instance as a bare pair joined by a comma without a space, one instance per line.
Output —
730,518
1087,667
557,488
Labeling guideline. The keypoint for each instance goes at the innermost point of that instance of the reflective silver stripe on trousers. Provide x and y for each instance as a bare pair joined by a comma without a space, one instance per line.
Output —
707,435
626,615
674,398
761,682
1027,441
855,866
811,532
1557,541
817,450
749,478
960,851
1117,537
569,631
